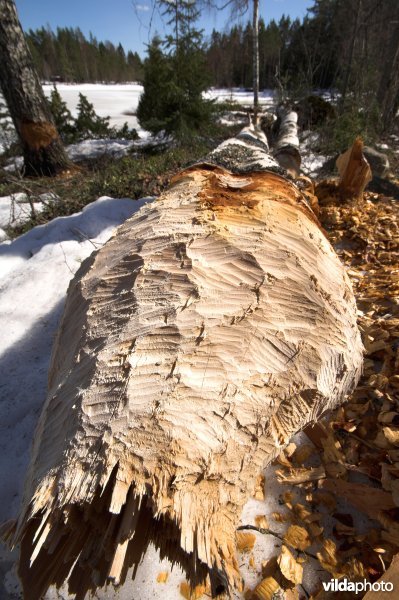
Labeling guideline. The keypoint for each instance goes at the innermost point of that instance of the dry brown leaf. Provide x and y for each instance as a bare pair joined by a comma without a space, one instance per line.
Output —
287,498
342,530
306,514
325,498
355,570
280,518
297,537
328,558
251,562
289,567
270,568
245,541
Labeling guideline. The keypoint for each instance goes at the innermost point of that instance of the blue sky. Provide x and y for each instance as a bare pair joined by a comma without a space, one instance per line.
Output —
132,22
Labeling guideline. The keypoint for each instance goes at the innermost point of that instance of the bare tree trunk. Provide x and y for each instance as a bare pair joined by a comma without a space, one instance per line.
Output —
351,52
255,33
42,148
216,323
388,90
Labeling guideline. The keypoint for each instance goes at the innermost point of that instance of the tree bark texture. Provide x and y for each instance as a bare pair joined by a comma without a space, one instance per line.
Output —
215,324
388,90
286,147
255,58
42,148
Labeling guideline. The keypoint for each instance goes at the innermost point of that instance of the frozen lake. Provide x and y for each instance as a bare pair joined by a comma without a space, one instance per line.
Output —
108,100
119,101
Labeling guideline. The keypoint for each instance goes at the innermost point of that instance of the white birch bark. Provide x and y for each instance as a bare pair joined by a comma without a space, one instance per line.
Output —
286,148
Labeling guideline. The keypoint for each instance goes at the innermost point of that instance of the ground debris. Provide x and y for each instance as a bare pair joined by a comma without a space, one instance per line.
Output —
353,455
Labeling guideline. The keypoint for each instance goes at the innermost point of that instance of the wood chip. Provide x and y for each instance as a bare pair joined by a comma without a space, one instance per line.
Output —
261,522
265,589
297,537
245,541
289,567
190,593
365,498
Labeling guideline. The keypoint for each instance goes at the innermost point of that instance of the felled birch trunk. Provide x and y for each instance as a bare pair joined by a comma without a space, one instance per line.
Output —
286,148
215,324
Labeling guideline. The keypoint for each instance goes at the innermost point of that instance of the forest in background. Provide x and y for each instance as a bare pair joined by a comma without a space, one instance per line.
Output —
337,44
349,46
67,55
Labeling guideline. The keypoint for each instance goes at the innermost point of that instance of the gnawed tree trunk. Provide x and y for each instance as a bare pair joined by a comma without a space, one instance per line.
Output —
354,171
42,148
216,323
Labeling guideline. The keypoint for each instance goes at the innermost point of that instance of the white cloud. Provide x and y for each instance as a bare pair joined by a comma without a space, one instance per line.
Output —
143,7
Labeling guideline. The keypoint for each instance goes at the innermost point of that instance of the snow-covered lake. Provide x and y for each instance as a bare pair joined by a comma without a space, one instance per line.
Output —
109,100
120,101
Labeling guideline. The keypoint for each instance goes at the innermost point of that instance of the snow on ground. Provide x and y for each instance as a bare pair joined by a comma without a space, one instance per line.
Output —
17,209
241,96
89,149
311,162
35,270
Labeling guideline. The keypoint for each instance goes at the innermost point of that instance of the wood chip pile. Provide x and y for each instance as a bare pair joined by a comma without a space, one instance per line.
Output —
352,456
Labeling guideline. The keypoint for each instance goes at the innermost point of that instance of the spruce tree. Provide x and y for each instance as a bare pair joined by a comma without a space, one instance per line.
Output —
62,117
88,124
175,77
